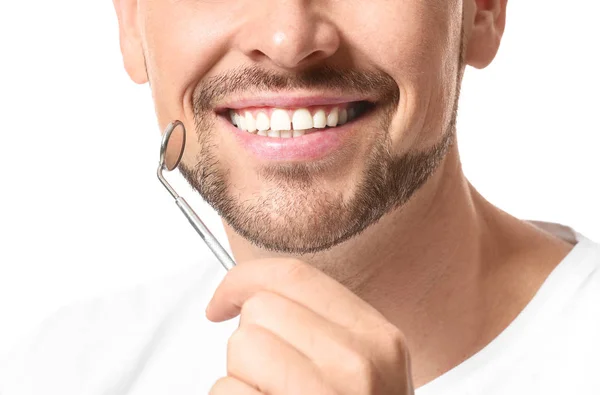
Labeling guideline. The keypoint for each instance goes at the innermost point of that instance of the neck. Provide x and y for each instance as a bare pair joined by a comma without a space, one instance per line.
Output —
430,267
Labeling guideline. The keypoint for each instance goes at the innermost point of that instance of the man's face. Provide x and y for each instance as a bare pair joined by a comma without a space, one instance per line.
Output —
369,89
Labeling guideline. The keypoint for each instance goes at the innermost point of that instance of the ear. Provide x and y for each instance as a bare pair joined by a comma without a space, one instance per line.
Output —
487,26
131,42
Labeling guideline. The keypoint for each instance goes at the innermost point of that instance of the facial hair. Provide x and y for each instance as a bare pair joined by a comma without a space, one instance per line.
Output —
297,214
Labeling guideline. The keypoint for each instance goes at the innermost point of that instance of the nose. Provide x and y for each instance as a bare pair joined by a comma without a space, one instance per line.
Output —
290,34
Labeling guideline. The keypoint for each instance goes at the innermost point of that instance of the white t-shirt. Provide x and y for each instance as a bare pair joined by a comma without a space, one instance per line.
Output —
156,340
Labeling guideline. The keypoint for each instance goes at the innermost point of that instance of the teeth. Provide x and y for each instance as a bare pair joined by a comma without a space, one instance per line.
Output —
280,124
333,117
302,120
280,120
343,117
262,122
241,122
319,120
250,124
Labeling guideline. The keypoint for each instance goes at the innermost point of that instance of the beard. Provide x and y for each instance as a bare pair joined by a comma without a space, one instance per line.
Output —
297,213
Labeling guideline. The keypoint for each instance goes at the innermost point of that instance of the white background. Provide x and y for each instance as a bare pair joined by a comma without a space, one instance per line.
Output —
81,210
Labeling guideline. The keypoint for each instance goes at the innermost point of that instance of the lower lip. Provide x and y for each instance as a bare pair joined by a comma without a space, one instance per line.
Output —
311,146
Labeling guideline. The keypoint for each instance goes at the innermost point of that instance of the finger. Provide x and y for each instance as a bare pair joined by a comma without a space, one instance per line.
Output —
329,346
269,364
232,386
295,280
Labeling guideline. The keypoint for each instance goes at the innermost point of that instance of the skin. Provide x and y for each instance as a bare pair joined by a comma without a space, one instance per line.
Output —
415,293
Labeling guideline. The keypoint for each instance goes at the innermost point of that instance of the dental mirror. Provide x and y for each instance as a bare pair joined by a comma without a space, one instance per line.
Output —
171,152
173,144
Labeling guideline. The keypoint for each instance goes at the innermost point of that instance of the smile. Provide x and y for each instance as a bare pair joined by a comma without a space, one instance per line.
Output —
295,122
296,129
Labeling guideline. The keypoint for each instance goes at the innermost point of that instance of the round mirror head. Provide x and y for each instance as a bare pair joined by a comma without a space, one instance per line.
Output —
172,146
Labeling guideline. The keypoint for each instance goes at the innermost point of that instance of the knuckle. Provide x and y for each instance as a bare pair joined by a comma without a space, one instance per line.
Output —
221,386
233,340
256,309
397,346
255,306
237,339
245,348
298,271
243,337
395,362
358,364
371,366
361,370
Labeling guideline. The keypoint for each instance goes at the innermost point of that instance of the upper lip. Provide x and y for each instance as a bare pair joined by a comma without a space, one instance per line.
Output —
289,101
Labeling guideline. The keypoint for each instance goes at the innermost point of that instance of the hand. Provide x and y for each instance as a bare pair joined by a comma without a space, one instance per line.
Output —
301,332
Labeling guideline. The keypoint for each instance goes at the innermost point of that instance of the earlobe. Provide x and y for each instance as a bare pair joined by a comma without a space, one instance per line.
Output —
487,27
130,40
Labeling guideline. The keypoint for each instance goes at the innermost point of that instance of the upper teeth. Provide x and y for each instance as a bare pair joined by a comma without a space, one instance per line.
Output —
301,120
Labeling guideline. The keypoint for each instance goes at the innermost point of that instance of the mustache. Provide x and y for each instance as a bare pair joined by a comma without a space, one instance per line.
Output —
215,89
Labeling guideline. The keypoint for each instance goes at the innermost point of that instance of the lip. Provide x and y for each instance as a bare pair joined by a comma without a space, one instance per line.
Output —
310,147
290,101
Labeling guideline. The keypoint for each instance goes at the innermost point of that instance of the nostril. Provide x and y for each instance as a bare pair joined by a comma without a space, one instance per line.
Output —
314,57
257,55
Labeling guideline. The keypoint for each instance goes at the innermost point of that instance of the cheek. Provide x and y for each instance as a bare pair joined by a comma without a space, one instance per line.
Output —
417,43
182,44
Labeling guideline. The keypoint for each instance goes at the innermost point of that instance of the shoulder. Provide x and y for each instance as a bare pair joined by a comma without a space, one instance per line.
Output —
91,344
584,263
584,273
571,299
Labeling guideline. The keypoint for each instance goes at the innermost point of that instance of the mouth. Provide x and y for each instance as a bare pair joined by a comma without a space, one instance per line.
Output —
295,129
285,123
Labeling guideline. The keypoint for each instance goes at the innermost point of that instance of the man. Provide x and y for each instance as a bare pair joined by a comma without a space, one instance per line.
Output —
323,132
